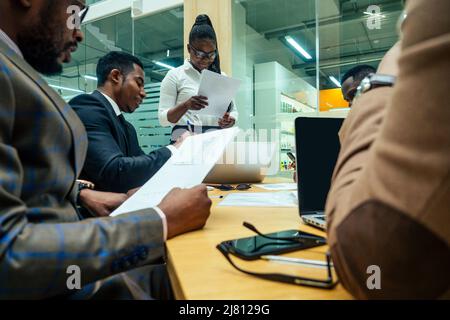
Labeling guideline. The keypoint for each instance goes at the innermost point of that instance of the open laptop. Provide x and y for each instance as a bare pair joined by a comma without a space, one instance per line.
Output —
317,146
244,162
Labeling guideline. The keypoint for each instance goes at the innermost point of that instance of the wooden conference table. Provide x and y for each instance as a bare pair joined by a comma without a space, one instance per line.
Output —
198,271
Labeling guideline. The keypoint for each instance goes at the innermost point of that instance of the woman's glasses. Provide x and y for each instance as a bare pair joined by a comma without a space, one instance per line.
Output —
203,55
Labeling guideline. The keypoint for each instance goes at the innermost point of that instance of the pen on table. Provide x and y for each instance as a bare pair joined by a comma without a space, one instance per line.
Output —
314,263
216,197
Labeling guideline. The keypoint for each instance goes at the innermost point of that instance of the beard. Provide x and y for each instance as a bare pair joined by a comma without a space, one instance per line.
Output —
42,43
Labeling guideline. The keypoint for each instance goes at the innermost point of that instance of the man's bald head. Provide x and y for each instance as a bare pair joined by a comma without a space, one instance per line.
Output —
352,79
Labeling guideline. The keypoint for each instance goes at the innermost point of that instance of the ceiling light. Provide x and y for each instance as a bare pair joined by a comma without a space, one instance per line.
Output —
298,47
164,65
90,77
65,88
334,80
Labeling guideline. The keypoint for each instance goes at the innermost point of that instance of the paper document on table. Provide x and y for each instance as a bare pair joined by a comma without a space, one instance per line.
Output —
261,199
278,186
187,168
220,91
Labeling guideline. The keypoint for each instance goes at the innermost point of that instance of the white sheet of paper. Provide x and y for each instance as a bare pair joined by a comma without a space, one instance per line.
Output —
277,186
185,169
260,199
220,91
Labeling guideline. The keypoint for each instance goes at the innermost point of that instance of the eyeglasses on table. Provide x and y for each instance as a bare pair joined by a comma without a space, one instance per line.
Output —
328,283
228,187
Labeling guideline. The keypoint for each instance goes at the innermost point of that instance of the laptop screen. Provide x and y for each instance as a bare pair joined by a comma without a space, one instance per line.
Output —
317,147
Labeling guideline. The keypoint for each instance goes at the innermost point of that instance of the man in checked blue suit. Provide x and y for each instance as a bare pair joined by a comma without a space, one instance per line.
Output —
42,150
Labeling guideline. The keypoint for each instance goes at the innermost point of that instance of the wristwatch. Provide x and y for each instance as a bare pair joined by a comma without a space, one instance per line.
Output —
373,81
83,184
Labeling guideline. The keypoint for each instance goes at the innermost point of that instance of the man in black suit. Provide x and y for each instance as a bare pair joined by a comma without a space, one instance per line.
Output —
115,162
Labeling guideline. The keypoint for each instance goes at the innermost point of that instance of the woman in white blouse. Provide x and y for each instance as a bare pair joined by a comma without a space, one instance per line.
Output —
179,103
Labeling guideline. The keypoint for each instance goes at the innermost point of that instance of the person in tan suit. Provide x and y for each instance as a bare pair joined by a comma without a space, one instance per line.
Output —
388,208
42,150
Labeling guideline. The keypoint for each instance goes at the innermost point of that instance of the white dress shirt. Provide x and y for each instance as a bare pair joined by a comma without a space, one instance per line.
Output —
178,86
6,39
172,149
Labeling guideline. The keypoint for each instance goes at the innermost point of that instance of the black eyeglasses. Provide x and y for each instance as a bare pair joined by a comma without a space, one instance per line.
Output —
227,187
203,55
328,283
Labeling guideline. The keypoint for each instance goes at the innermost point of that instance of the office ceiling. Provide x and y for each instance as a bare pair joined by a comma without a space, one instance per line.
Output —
345,39
155,37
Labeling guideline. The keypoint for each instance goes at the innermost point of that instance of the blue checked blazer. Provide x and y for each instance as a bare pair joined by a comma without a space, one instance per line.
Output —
42,150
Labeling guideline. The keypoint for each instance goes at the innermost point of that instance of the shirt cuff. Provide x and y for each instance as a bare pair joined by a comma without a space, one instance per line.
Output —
172,149
164,222
163,119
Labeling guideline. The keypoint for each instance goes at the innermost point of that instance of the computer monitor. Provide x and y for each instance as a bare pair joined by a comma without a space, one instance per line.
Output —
317,148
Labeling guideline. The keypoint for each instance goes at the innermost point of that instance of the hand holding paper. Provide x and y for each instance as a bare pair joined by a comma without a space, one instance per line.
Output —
186,209
196,103
220,91
185,169
227,121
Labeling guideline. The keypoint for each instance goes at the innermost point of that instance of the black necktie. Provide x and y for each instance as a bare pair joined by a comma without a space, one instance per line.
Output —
122,120
125,130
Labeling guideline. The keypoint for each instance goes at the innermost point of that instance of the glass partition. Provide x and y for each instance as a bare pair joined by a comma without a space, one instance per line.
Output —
290,55
100,37
352,33
273,44
158,42
156,39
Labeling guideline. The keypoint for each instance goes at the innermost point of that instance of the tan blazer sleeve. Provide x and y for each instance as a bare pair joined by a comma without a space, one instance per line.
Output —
389,204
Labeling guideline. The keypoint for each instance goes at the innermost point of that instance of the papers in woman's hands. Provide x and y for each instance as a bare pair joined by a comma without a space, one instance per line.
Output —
187,168
220,91
261,199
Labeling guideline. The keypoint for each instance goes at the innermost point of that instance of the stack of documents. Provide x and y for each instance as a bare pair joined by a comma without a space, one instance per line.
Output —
277,186
261,199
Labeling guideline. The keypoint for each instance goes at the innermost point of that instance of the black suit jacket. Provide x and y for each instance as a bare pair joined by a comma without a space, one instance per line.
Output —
114,162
